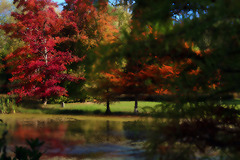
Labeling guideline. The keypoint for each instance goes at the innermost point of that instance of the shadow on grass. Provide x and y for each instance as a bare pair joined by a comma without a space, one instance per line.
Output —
30,104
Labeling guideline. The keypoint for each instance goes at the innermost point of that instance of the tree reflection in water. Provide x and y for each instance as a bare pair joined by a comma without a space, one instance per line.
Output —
213,134
210,132
92,139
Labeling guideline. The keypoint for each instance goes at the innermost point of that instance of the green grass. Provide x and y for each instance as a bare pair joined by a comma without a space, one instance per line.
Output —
118,108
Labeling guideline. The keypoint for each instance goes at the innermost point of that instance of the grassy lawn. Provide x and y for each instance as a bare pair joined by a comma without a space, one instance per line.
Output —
118,108
123,107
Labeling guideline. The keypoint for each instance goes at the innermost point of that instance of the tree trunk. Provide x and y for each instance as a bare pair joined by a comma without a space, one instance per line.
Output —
45,54
45,101
136,105
108,111
63,105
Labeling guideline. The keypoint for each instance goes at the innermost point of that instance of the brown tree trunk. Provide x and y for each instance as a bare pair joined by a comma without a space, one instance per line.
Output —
108,111
45,101
136,105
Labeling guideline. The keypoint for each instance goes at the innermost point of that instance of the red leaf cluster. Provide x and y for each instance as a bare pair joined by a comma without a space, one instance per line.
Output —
38,68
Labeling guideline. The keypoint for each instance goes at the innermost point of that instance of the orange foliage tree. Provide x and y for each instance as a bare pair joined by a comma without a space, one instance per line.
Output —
93,26
154,67
107,33
155,42
149,80
143,73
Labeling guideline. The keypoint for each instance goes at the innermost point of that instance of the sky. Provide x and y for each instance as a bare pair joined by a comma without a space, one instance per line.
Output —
61,1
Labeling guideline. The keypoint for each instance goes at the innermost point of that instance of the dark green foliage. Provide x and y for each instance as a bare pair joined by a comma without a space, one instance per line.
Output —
211,26
4,88
226,112
3,147
206,33
23,153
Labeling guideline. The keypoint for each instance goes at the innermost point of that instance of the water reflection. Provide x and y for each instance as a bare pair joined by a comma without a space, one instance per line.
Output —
185,139
136,130
204,137
73,138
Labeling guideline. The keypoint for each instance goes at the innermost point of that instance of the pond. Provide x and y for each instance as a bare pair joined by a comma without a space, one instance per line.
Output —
77,137
126,138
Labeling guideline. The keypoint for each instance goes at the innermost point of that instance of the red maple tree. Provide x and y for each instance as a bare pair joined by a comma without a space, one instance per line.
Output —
38,68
